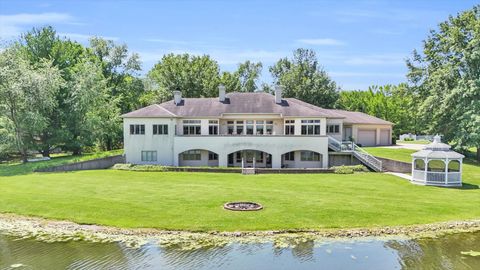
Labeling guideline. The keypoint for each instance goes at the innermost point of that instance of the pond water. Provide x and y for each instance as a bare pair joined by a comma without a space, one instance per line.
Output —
427,253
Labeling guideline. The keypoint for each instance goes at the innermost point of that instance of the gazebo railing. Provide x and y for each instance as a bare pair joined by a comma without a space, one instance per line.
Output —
438,178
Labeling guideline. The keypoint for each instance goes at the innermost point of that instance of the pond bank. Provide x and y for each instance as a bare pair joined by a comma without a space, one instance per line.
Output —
57,231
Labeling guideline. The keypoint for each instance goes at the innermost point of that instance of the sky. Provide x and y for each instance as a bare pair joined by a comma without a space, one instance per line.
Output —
358,43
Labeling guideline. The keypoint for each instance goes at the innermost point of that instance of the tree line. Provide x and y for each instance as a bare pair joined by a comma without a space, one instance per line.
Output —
58,94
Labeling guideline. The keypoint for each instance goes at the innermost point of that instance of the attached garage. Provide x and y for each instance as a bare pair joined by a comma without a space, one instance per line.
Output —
367,137
385,137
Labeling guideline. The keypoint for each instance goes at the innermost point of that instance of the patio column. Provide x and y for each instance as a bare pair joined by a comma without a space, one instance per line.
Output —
222,159
276,161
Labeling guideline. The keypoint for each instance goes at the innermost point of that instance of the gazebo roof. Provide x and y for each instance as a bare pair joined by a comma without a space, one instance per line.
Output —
437,150
437,154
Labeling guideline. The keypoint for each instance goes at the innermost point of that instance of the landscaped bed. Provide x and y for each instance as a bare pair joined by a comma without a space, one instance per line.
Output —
194,201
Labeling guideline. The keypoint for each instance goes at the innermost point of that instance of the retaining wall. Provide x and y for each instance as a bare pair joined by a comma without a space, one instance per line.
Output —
395,165
94,164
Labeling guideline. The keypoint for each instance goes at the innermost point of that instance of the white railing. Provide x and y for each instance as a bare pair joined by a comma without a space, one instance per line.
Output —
419,175
358,152
436,177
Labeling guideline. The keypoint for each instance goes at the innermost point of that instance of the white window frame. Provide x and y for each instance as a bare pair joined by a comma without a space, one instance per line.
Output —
314,124
149,156
194,127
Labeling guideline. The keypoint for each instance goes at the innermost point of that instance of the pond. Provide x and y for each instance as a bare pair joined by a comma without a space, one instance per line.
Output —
427,253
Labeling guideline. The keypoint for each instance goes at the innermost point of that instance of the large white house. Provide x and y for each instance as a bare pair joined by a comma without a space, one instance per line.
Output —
261,128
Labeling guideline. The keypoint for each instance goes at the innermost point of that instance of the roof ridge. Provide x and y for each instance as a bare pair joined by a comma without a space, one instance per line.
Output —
158,105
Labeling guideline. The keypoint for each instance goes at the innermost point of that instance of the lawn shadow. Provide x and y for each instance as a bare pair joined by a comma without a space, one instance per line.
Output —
467,186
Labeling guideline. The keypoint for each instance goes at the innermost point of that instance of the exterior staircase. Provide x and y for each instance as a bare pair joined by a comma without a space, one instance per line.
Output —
362,155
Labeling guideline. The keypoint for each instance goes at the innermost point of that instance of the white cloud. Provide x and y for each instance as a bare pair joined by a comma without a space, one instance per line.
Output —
83,37
321,42
342,74
223,57
12,25
166,41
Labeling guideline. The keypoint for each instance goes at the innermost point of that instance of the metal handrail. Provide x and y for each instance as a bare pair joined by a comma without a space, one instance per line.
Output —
348,146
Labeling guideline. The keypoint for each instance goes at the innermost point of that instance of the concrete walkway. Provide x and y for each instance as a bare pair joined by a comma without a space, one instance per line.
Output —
401,175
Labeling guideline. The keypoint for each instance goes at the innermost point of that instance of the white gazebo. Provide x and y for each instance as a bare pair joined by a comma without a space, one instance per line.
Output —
437,165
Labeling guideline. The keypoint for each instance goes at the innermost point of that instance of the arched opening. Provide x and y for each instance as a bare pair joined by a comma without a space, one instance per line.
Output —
198,158
436,166
419,164
454,166
302,159
250,158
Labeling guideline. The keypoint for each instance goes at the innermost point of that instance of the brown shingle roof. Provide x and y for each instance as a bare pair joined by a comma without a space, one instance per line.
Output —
154,110
247,103
360,118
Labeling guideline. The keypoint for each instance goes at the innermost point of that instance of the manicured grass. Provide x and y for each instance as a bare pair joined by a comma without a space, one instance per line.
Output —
193,201
471,168
400,154
17,167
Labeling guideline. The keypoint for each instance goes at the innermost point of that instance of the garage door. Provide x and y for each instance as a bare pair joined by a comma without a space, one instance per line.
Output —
366,137
385,137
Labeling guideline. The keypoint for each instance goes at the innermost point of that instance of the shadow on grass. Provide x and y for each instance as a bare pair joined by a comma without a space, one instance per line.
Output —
467,186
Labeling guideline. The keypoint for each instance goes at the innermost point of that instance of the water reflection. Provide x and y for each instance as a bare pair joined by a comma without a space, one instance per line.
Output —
437,253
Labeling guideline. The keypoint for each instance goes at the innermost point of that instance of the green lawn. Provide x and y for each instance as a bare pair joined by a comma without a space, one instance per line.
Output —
471,168
193,201
17,167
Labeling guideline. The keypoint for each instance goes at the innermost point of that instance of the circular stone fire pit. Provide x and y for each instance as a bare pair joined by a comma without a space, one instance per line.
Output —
242,206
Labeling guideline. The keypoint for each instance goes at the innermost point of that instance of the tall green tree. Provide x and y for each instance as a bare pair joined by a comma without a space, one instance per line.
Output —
40,45
120,68
27,97
304,78
87,98
389,102
446,77
231,81
195,76
248,73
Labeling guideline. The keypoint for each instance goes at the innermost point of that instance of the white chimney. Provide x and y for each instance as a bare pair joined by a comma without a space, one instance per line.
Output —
221,93
278,94
177,97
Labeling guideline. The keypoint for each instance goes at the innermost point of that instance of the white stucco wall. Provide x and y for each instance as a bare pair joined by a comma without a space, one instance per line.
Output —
198,163
337,136
135,144
274,145
298,163
377,129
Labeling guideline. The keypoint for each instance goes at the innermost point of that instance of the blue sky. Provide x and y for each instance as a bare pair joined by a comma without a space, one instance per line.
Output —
359,43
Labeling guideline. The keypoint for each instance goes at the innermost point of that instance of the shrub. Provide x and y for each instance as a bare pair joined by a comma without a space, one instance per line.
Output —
408,139
349,169
343,170
142,168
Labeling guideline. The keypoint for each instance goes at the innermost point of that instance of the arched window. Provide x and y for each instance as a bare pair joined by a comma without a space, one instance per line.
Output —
419,164
436,166
454,166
